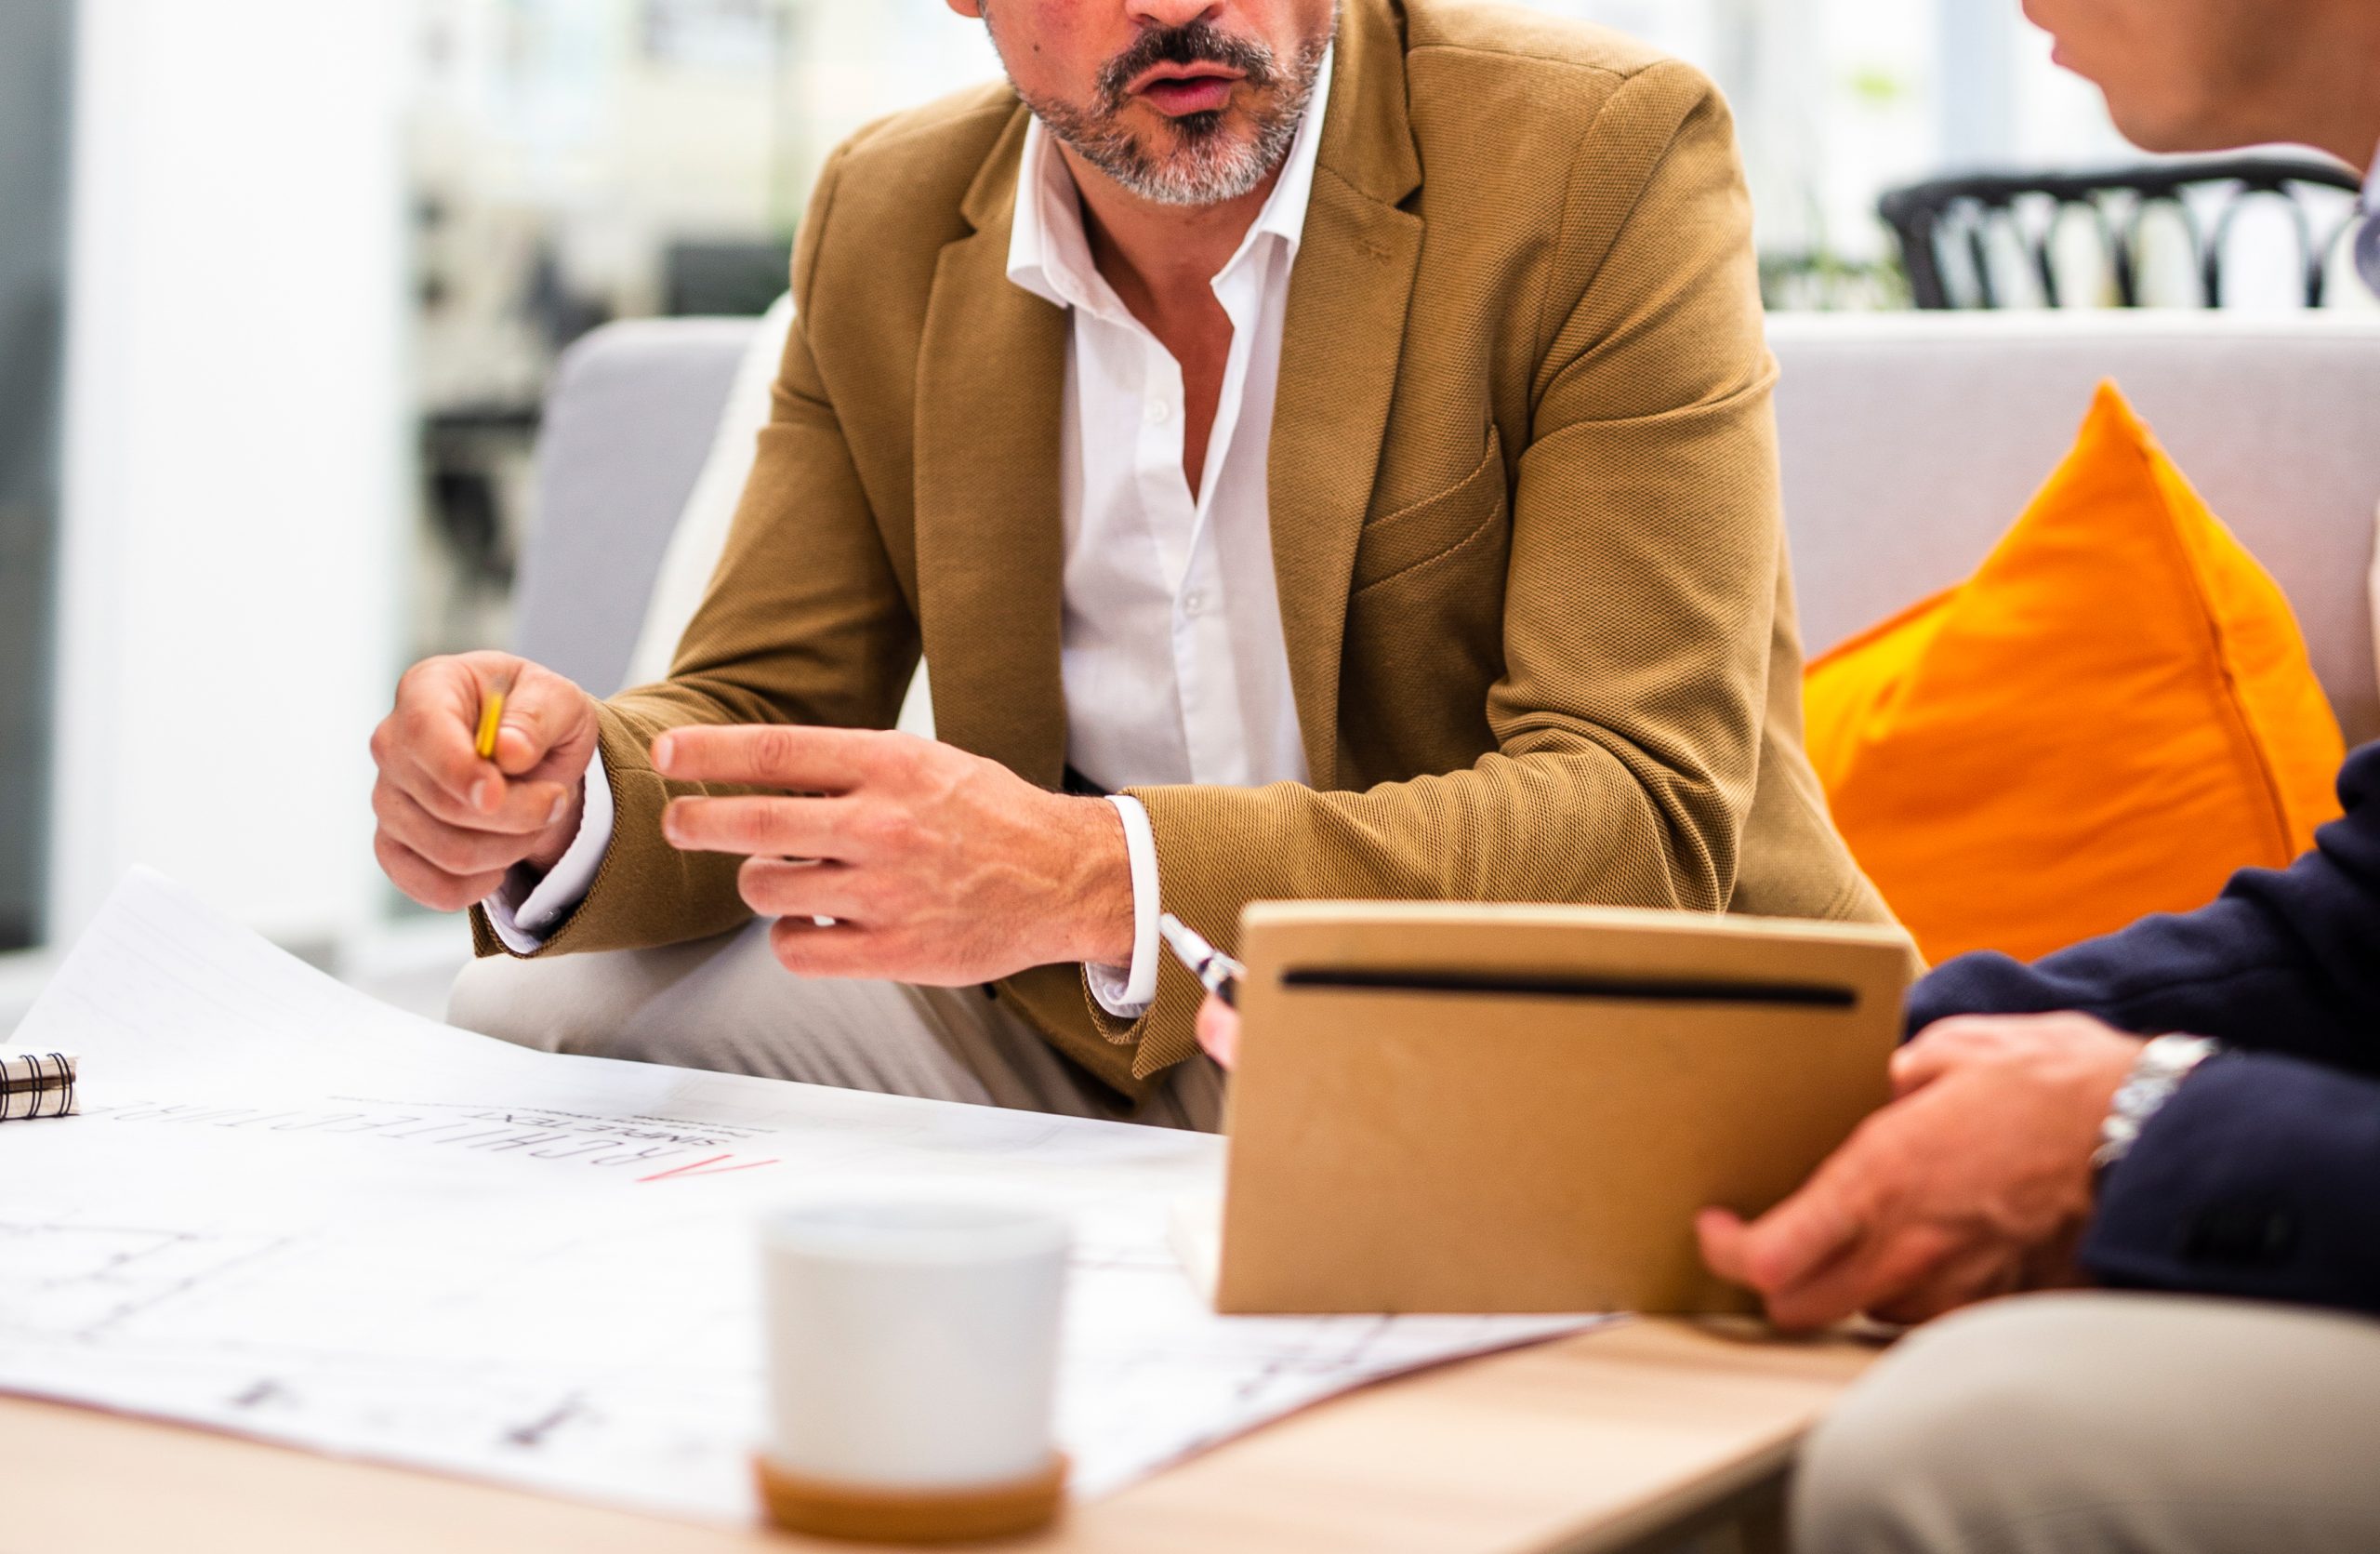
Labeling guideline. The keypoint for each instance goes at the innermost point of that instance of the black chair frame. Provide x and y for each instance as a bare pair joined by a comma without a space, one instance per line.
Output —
1923,215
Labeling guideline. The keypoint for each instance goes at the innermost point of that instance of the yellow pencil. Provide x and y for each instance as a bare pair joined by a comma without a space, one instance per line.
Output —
492,715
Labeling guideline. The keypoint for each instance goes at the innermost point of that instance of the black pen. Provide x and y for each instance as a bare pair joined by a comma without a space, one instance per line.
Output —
1216,970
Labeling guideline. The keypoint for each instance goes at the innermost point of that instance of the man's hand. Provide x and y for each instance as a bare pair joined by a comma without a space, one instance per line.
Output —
450,824
1975,1182
937,867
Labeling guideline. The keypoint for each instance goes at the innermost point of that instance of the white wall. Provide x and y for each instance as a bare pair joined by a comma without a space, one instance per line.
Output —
235,453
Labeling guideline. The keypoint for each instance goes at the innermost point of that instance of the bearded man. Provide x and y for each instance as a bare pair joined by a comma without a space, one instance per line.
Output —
1320,454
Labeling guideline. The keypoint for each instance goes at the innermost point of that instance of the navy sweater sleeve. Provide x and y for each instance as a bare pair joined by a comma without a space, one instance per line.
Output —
2261,1179
2261,1176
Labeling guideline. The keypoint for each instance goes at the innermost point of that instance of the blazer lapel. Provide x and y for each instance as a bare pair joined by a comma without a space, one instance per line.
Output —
1343,339
991,542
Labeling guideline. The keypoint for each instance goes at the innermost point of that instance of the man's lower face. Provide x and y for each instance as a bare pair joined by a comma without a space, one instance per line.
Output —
1190,116
1206,157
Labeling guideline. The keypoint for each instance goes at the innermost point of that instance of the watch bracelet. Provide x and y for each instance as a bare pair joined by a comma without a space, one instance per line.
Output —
2164,1062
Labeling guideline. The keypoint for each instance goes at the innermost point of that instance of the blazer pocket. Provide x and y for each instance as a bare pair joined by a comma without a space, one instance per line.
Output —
1429,528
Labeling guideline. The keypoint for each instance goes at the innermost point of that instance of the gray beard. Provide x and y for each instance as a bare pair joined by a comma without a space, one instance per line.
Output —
1203,166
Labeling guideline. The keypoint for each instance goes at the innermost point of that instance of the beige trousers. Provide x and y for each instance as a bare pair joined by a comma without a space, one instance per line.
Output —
725,1004
2115,1424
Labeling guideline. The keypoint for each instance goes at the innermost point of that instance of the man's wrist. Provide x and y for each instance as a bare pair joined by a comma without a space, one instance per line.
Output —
533,904
1100,884
2164,1062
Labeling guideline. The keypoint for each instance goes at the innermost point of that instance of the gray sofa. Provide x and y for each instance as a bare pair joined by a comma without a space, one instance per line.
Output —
1910,441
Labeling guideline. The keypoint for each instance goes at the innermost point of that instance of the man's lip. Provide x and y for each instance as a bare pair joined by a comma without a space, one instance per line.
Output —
1181,97
1155,74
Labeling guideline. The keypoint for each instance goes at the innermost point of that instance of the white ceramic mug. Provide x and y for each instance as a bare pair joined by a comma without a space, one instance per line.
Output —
913,1343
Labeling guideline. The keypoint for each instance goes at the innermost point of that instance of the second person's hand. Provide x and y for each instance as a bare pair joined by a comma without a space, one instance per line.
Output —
452,823
1219,1033
1975,1182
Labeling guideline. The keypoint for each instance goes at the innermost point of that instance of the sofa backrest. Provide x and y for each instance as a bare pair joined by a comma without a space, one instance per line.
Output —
628,423
1911,443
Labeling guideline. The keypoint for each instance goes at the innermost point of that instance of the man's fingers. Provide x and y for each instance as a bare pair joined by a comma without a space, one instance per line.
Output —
778,887
425,743
1978,1273
431,886
838,951
1934,1052
1219,1031
452,849
486,800
1939,1048
1793,1241
1721,1232
543,714
1881,1272
761,826
519,808
773,755
435,725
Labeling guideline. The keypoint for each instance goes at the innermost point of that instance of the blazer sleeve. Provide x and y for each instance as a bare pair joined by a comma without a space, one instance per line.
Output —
804,622
1628,733
2261,1176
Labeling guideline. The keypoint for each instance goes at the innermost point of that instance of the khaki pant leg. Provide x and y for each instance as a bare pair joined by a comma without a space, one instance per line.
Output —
725,1004
2138,1424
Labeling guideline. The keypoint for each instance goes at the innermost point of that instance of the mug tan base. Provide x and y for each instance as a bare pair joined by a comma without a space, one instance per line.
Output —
867,1513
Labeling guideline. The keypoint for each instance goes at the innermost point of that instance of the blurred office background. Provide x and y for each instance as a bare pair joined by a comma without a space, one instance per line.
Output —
280,283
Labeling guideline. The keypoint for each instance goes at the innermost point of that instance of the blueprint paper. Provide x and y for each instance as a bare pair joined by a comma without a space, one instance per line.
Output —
294,1212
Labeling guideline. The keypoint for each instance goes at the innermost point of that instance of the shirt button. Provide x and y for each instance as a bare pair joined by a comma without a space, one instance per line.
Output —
1158,410
1193,601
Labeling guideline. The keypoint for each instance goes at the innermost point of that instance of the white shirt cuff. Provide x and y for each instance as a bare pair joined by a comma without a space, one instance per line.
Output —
524,913
1127,991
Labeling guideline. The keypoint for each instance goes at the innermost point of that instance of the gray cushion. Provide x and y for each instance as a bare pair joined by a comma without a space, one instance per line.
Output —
629,421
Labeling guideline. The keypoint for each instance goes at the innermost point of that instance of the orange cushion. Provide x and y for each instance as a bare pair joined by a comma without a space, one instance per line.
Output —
2109,717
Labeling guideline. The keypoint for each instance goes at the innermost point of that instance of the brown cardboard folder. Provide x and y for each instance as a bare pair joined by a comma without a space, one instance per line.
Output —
1451,1108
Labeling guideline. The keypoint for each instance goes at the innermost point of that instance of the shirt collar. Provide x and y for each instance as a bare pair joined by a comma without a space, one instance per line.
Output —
1049,254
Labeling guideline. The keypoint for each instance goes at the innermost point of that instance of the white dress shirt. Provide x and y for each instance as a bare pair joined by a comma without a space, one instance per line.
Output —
1173,661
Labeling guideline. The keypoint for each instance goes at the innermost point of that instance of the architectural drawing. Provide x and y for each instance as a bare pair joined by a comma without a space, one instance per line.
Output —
293,1213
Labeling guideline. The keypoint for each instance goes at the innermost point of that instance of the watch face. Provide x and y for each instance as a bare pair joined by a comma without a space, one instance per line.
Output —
2367,251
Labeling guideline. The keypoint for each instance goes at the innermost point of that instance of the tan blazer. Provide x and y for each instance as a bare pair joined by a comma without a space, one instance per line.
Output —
1524,514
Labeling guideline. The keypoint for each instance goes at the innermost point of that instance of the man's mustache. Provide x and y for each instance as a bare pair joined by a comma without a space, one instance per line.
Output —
1199,43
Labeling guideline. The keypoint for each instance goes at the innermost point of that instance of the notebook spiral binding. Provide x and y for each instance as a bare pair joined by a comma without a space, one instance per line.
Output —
35,1085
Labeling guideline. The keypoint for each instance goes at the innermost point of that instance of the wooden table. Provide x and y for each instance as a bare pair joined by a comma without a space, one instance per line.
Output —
1592,1444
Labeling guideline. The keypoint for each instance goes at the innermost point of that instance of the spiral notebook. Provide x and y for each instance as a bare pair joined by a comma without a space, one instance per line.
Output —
37,1084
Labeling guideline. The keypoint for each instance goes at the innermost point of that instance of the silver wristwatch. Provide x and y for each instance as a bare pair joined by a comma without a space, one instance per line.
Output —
2164,1063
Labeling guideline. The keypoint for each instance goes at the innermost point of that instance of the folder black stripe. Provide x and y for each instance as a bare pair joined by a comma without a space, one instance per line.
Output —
1626,989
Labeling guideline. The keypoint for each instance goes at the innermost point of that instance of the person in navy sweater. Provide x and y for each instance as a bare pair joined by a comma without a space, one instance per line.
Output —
2185,1114
2247,1165
2189,1106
